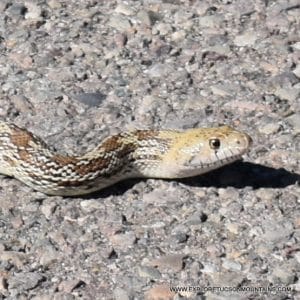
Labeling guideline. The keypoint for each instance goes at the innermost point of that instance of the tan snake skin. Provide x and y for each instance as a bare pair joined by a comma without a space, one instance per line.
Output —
141,153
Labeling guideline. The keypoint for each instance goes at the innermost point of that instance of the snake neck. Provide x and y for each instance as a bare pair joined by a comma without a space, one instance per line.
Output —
30,160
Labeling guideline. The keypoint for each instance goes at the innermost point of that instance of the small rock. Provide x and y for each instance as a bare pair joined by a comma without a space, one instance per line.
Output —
180,237
43,297
48,209
145,17
178,36
296,71
119,22
3,281
120,40
21,103
49,256
209,268
227,194
159,197
283,275
233,228
23,61
213,21
231,265
294,121
68,286
265,194
171,261
120,294
25,281
296,45
160,292
149,272
124,9
164,28
275,234
61,74
221,90
158,70
271,128
54,4
221,50
297,257
90,205
16,258
123,240
16,9
290,94
33,10
246,39
17,222
196,218
90,99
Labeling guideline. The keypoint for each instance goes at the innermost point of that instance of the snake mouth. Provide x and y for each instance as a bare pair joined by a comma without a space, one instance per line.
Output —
195,168
228,160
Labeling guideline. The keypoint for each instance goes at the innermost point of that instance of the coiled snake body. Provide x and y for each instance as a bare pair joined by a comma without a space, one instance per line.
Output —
141,153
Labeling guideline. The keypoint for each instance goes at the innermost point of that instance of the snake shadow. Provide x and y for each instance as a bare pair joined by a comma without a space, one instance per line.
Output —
238,175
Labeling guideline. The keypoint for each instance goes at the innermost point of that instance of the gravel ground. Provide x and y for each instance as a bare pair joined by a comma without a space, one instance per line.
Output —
76,71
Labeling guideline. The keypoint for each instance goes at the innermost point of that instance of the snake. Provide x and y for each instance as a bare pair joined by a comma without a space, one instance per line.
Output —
164,154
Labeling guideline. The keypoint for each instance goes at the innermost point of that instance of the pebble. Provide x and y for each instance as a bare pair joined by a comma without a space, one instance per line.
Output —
68,286
48,256
281,274
210,21
296,71
42,297
275,235
266,194
89,206
149,272
221,90
14,257
22,60
289,94
159,292
16,9
121,294
90,99
48,209
245,39
123,241
294,121
34,11
145,17
54,4
270,128
24,281
119,22
178,36
3,282
171,261
158,70
21,103
125,9
231,265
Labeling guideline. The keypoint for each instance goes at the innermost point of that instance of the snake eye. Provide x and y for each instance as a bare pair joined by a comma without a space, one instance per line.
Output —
214,144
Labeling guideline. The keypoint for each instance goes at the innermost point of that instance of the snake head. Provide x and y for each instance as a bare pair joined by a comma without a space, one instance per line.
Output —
197,151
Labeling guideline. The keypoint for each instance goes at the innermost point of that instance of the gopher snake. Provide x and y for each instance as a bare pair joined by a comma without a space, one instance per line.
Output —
141,153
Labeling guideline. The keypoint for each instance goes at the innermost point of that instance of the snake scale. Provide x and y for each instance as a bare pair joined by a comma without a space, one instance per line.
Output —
141,153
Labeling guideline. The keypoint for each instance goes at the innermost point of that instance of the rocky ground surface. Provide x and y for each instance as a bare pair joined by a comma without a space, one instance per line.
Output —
76,71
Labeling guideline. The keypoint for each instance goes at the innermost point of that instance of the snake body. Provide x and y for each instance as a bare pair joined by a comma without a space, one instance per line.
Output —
141,153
